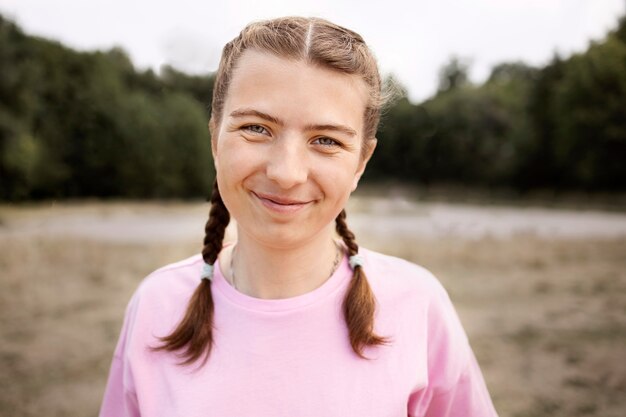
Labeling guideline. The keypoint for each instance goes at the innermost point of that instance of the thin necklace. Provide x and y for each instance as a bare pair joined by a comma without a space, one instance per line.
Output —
332,270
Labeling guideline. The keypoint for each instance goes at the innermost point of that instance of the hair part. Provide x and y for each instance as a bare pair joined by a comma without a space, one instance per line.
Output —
315,41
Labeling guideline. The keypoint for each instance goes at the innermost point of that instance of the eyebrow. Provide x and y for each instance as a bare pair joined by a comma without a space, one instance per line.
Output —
252,112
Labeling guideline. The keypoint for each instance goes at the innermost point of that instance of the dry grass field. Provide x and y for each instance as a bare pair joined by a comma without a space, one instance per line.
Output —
545,316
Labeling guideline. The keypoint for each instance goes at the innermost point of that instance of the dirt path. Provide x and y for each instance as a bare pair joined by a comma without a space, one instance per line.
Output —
397,218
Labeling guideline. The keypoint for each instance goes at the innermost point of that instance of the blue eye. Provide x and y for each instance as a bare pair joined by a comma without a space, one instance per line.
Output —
255,129
325,141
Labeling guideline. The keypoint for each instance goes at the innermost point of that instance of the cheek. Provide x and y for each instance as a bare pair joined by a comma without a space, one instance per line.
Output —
337,181
236,162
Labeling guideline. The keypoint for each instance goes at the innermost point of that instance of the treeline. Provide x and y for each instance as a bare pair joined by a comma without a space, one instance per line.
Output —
77,124
561,127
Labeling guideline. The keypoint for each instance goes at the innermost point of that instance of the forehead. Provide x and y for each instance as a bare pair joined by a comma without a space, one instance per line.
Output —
296,90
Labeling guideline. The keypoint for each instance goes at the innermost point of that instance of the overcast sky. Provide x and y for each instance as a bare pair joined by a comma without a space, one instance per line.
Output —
411,39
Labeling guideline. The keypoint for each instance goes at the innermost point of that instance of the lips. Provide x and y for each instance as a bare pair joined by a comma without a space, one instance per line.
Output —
281,204
280,200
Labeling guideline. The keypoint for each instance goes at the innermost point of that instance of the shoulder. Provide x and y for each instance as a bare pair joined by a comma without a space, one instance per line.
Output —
392,275
170,284
405,289
157,303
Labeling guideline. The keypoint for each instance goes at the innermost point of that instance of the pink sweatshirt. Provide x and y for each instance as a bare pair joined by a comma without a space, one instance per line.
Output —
292,357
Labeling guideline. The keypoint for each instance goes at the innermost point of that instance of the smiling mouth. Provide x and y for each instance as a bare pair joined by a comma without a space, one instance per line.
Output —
280,200
280,204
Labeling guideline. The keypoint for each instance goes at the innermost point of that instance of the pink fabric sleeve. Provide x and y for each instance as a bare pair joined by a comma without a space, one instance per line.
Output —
456,387
468,397
120,399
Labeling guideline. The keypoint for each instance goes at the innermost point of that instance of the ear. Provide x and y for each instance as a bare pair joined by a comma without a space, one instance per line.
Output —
370,145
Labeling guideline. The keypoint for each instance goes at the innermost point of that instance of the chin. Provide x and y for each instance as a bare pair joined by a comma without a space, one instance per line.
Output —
284,236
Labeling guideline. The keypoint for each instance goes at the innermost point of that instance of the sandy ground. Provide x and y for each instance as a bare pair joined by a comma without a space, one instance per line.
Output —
397,217
541,293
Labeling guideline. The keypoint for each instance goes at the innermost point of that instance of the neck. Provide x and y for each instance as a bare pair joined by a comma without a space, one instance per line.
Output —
267,272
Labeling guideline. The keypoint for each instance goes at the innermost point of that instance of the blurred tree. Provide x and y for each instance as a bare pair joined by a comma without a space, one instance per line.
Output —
88,124
198,87
590,103
76,124
536,162
578,117
471,129
453,75
509,85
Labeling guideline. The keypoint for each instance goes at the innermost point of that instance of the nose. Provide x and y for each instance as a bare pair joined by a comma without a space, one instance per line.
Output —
287,164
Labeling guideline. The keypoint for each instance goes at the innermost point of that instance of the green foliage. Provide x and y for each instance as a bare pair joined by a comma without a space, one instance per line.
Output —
200,88
472,126
453,75
88,124
561,126
590,102
404,145
466,134
577,111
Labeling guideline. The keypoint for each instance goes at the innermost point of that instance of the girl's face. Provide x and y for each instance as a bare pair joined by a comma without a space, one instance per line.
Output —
288,149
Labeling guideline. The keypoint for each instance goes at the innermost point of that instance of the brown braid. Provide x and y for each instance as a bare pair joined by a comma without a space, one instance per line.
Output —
215,227
194,334
359,303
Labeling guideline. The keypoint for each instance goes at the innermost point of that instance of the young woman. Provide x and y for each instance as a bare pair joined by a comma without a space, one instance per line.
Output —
294,319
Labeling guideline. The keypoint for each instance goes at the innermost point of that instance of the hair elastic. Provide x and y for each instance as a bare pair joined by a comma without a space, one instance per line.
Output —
356,260
207,272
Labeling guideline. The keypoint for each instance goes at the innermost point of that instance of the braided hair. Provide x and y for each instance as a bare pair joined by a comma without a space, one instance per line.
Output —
194,334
